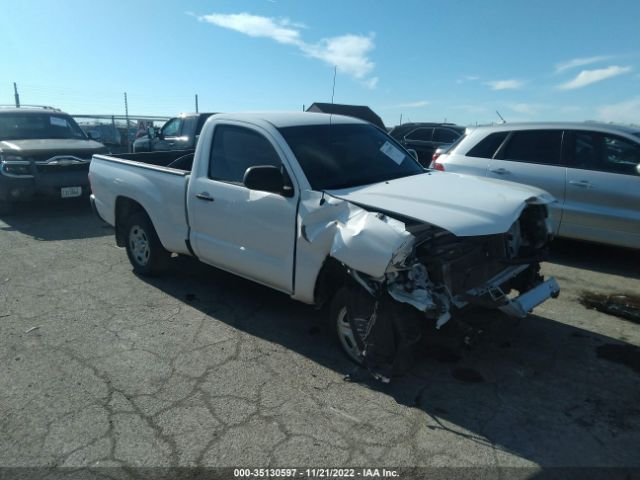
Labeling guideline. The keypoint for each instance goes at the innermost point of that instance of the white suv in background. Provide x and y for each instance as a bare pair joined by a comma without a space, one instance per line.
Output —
592,169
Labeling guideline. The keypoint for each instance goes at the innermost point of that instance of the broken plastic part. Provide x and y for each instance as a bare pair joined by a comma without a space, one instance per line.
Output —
371,243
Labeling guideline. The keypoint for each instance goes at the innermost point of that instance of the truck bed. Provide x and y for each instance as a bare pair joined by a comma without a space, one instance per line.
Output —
178,159
153,180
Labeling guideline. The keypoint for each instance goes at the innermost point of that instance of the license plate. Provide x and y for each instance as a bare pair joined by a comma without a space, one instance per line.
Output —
70,192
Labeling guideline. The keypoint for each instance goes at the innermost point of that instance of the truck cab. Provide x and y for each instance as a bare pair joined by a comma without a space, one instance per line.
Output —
178,133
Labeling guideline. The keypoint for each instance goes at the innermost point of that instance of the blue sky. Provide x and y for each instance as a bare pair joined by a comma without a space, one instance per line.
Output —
425,60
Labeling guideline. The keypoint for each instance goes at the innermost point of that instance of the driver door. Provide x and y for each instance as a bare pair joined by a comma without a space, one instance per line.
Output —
247,232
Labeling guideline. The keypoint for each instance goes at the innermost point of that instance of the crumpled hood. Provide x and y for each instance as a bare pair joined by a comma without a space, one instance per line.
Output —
462,204
53,145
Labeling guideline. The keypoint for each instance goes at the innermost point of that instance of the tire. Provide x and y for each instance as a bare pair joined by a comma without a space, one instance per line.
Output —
6,207
146,254
340,323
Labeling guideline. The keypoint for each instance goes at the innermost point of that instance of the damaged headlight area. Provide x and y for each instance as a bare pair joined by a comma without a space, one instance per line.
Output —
403,273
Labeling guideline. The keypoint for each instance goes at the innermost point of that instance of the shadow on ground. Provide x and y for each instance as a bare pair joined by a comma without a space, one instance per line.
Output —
55,220
539,389
595,257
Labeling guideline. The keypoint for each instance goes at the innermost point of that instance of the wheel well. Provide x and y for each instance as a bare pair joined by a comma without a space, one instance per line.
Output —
125,207
331,277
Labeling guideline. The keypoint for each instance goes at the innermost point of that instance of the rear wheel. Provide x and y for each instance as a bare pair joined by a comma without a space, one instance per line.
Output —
146,254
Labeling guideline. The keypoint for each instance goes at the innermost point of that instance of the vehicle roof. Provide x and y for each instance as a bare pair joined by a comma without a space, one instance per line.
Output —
196,114
409,126
600,126
28,110
291,119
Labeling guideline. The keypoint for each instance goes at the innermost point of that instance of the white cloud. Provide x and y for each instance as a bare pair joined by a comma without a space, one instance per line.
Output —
348,53
417,104
511,84
581,62
623,112
467,78
527,108
587,77
371,83
276,29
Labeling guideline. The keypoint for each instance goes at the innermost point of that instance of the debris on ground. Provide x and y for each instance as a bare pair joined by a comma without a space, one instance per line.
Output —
31,329
620,305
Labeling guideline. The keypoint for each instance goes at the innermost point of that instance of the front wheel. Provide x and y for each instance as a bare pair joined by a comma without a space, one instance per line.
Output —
339,319
146,254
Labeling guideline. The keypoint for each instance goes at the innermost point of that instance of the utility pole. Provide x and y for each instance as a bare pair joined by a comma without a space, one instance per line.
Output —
196,103
400,119
17,97
126,115
333,91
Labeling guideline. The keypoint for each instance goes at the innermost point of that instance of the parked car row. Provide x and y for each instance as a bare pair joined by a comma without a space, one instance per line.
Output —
425,138
593,171
43,151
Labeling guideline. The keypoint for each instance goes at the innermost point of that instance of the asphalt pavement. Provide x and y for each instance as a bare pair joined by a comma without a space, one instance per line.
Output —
101,368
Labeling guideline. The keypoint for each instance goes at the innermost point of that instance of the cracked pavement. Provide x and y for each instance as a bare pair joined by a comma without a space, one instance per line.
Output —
102,368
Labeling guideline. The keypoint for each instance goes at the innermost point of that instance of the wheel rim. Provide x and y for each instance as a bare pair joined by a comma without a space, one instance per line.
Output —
347,337
139,245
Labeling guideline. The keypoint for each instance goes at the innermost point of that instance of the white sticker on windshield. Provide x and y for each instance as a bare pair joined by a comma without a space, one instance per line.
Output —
392,152
58,121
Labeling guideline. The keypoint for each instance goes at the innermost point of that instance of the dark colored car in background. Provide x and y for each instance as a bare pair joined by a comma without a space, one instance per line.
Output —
43,151
425,138
179,133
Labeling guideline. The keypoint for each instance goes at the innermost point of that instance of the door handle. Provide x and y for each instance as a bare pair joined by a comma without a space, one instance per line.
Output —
204,196
500,171
171,144
581,183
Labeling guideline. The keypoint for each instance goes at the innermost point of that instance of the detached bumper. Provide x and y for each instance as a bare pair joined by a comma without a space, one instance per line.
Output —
521,306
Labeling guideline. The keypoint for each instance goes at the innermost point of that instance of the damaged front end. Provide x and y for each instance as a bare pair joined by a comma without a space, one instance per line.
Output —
402,272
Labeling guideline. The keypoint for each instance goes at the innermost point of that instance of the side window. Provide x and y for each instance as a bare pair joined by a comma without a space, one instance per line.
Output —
445,135
188,126
586,149
172,127
235,149
619,155
488,146
421,134
607,153
534,146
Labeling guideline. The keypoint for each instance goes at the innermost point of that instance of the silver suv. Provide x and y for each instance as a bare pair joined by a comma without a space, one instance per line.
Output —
592,169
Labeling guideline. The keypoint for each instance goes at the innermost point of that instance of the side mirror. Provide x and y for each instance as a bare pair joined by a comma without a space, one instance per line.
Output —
90,136
266,178
413,153
151,132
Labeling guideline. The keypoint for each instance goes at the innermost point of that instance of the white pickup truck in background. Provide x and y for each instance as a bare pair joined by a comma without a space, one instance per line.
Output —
330,209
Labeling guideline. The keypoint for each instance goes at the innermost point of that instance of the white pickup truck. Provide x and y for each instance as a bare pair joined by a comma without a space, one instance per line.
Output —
331,210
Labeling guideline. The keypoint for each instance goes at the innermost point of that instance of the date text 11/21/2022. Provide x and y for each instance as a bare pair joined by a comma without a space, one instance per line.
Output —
334,473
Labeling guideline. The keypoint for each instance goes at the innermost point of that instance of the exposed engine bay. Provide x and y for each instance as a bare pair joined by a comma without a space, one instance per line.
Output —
403,273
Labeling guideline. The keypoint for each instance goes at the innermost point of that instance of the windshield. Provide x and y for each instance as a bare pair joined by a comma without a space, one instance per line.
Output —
26,126
348,155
